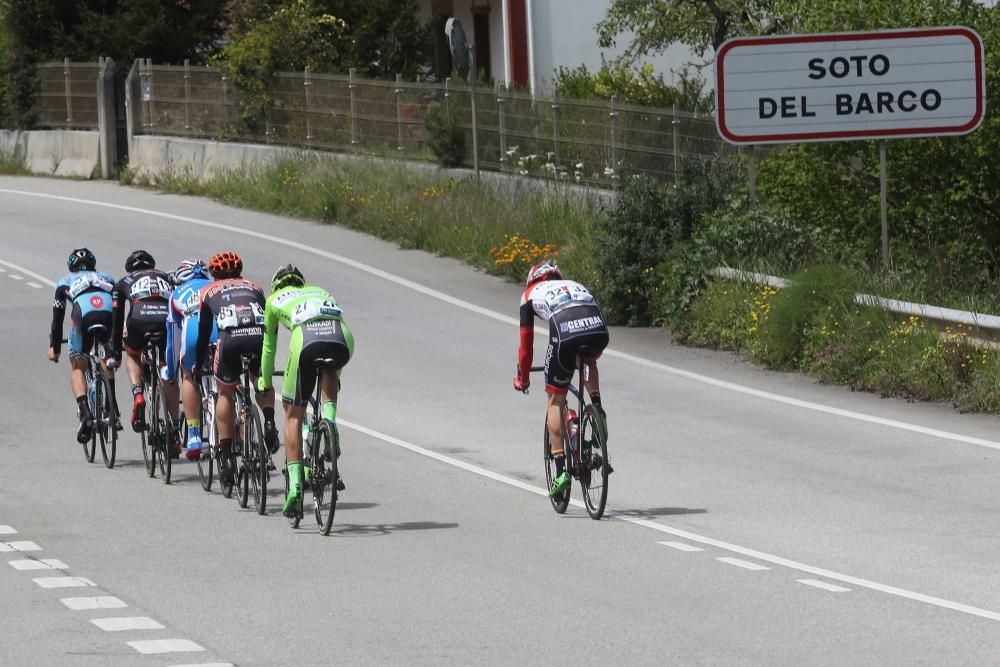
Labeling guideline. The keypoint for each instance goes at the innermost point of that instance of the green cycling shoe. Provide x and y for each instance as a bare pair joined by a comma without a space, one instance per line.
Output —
559,485
293,505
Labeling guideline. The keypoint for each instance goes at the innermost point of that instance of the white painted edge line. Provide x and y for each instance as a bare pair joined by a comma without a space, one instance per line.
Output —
683,534
816,583
745,564
3,270
32,283
100,602
42,564
19,546
7,530
40,278
681,546
471,307
122,623
150,646
63,582
14,276
207,664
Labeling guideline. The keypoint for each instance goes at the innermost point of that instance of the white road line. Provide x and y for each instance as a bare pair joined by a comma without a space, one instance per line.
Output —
19,546
816,583
7,530
207,664
148,646
3,270
63,582
121,623
745,564
684,534
485,312
32,283
681,546
14,276
43,564
40,278
100,602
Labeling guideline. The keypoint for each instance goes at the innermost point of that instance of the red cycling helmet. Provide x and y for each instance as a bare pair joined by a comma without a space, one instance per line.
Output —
544,270
226,265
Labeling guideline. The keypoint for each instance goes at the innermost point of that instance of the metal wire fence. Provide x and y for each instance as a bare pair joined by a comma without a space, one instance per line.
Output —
588,141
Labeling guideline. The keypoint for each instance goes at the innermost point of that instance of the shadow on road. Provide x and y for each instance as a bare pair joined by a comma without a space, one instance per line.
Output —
370,529
653,512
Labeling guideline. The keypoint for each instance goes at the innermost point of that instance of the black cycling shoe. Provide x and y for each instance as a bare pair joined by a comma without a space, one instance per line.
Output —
271,437
227,470
340,483
86,430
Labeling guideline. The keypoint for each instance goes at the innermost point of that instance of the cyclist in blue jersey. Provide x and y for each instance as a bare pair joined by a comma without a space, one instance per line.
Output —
182,338
89,293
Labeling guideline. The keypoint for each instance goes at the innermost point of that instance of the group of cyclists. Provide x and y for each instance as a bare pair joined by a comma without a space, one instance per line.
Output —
184,312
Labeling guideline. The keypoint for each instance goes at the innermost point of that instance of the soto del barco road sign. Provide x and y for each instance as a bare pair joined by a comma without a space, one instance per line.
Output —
856,85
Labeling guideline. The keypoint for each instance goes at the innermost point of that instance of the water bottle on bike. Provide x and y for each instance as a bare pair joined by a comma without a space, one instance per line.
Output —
572,426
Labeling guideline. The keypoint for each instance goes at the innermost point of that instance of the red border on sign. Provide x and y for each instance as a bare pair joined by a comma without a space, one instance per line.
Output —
720,93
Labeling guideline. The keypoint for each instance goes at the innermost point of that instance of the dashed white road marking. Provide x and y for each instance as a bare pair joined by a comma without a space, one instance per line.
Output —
32,283
43,564
816,583
14,276
681,546
207,664
63,582
19,546
100,602
500,317
7,530
121,623
148,646
745,564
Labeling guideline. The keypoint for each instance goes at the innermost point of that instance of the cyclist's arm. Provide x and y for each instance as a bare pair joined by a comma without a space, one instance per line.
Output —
526,348
270,342
58,315
118,299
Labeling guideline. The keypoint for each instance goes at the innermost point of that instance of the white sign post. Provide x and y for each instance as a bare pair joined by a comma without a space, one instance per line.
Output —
851,86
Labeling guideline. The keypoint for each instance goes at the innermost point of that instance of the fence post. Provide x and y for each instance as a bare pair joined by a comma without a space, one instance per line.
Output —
187,94
447,92
883,200
502,121
267,123
675,128
69,94
130,107
149,81
354,110
614,137
307,85
399,111
106,124
225,104
556,133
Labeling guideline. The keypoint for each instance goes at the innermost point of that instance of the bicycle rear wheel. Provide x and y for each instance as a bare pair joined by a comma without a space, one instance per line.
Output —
242,472
151,433
561,501
167,427
594,466
104,419
206,460
323,474
255,459
90,447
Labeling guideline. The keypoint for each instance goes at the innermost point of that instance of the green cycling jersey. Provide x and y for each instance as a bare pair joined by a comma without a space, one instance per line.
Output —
293,307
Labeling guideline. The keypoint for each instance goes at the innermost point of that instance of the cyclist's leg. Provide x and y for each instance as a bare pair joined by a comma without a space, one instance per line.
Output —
190,392
132,342
227,375
295,396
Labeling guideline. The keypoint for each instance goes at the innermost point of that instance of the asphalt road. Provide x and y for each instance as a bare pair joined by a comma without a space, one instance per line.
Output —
757,518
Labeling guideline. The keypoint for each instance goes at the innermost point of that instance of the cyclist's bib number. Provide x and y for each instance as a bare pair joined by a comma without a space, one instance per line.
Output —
314,309
191,304
564,294
235,317
84,283
149,287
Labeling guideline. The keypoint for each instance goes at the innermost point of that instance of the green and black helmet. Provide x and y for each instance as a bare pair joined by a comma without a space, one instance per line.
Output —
287,276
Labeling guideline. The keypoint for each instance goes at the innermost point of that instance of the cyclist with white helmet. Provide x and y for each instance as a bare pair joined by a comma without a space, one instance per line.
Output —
89,293
575,321
183,312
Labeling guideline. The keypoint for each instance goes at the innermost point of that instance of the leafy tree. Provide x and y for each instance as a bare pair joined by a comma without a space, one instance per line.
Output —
387,38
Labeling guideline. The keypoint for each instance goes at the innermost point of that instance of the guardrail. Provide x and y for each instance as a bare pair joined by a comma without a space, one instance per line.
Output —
983,327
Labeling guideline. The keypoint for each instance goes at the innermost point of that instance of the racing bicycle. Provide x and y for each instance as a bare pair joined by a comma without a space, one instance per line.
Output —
101,402
586,448
161,427
252,472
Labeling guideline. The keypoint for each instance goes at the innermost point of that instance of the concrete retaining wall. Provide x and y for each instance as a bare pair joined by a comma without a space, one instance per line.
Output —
73,153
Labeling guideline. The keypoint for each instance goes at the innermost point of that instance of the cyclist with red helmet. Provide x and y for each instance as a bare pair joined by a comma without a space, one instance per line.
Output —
89,293
575,321
235,306
146,290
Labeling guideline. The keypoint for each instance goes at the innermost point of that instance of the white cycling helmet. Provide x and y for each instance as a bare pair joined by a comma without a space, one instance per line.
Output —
188,269
544,270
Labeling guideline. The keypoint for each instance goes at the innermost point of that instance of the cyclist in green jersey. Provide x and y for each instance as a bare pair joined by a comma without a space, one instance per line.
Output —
318,332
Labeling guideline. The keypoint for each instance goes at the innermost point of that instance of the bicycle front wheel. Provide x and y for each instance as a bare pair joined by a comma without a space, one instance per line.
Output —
90,447
205,461
323,474
594,467
161,416
255,458
151,433
559,502
104,419
242,472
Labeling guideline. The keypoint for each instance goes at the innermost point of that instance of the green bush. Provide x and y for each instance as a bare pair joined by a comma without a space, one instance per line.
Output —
642,86
445,137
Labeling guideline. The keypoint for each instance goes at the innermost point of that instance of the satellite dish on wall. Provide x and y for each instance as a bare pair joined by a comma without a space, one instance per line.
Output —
459,45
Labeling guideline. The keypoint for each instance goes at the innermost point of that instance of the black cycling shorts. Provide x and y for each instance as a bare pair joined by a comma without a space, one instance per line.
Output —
146,318
230,348
571,330
321,339
87,330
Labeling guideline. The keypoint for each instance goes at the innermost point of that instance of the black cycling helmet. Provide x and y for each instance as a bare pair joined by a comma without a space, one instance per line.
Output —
139,260
81,259
287,276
